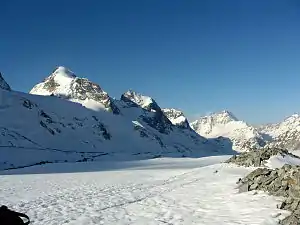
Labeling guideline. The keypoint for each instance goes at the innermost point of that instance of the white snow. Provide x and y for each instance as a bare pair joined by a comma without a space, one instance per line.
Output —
176,117
90,104
279,161
74,133
139,99
289,124
137,123
63,78
64,86
178,120
225,124
160,191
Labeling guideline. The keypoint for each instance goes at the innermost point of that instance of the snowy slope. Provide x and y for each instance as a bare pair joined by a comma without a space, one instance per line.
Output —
290,123
62,128
160,191
225,124
152,123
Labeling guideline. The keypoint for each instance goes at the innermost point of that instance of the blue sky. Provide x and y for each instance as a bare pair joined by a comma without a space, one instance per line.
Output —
198,56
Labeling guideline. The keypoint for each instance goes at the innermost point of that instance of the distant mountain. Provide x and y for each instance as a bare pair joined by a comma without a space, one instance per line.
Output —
225,124
285,134
3,84
68,119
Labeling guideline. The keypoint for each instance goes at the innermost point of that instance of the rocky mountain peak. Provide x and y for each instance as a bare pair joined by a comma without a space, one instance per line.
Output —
292,119
176,117
65,84
3,84
143,101
219,118
223,117
62,71
225,124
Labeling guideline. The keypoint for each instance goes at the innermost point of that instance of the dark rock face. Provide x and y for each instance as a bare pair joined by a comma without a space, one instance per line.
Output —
257,157
289,140
83,89
173,114
283,182
50,84
145,102
3,84
159,122
152,113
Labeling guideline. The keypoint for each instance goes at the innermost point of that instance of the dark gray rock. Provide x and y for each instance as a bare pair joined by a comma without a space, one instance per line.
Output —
258,157
280,182
3,84
244,188
291,220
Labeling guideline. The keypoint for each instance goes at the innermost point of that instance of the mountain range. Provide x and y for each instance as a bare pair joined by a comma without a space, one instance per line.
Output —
66,118
245,137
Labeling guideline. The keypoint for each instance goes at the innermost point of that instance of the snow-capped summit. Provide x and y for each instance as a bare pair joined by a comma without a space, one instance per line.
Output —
222,117
65,84
285,134
3,84
225,124
143,101
207,124
290,123
62,71
176,117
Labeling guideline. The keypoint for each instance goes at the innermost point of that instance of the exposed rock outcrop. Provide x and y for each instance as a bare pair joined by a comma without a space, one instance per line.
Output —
152,114
283,182
177,118
64,83
3,84
258,157
242,135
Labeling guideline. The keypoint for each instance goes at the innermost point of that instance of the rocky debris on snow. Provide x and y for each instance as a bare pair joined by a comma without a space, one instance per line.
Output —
258,157
284,181
28,104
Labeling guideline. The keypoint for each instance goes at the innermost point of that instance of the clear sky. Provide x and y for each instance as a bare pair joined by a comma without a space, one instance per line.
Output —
199,56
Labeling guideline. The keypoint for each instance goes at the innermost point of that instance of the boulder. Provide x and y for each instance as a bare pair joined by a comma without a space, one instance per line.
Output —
258,157
280,182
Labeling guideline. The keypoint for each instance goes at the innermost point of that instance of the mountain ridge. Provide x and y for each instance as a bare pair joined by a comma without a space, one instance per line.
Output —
3,84
58,124
244,136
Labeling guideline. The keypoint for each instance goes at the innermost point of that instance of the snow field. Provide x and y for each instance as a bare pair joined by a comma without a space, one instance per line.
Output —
160,191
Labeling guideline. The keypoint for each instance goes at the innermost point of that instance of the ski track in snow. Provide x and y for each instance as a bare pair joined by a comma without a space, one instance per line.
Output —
146,194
